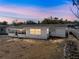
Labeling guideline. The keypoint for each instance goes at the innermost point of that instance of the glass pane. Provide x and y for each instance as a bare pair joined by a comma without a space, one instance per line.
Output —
35,31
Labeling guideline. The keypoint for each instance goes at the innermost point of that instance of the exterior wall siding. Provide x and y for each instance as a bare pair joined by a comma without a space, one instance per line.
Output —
52,31
61,32
44,34
58,32
12,35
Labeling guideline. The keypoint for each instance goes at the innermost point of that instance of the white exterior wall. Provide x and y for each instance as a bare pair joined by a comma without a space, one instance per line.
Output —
12,35
58,32
44,33
22,35
52,31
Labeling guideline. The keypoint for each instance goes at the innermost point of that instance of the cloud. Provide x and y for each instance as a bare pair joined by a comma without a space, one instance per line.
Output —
28,11
11,19
62,11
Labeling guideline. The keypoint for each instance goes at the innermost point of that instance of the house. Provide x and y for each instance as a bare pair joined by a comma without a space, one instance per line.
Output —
3,29
37,31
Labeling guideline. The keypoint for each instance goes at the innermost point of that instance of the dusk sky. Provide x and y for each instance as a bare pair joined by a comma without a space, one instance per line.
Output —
35,9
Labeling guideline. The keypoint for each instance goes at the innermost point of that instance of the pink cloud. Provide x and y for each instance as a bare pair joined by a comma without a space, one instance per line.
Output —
28,11
10,19
62,11
6,19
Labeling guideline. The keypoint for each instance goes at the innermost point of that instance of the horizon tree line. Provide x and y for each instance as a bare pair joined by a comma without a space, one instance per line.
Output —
50,20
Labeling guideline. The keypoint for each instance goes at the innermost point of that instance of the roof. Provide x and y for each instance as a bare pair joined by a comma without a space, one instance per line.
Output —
3,26
40,25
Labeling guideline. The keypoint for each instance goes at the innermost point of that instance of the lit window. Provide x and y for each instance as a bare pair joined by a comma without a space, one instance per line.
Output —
47,30
35,31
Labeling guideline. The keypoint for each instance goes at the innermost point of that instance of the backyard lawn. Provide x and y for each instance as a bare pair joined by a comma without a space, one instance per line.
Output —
31,49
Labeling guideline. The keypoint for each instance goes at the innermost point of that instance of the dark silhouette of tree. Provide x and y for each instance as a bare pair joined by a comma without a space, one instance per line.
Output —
50,20
76,22
31,22
20,23
55,20
4,23
14,23
66,21
61,21
76,5
17,23
47,21
39,22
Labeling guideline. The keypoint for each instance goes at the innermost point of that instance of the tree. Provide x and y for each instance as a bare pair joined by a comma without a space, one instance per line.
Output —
61,21
20,23
4,23
17,23
66,21
47,21
31,22
39,22
76,22
14,23
76,4
56,18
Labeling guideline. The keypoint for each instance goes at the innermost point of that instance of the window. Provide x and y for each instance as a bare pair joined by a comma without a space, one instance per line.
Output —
21,31
35,31
47,30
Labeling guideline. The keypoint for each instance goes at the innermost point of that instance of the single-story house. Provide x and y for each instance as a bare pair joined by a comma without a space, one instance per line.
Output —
37,31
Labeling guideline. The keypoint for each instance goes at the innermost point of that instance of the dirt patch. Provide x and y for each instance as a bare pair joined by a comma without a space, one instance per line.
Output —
31,49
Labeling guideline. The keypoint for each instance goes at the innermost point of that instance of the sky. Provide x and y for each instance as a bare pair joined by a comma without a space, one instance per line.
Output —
35,9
